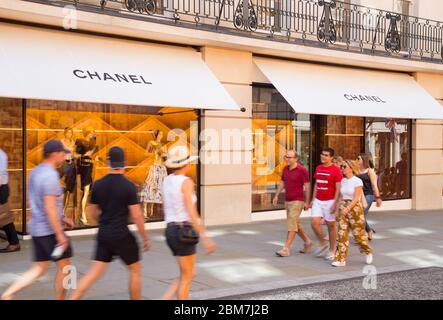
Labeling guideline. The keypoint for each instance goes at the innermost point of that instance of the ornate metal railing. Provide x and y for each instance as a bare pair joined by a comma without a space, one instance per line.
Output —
324,23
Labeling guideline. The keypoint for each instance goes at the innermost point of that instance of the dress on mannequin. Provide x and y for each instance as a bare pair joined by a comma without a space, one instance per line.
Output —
69,170
150,193
86,148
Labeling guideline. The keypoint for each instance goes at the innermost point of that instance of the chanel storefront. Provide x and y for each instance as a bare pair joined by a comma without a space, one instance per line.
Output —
306,106
92,93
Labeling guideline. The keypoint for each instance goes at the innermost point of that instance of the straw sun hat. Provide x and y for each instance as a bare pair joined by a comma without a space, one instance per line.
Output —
178,156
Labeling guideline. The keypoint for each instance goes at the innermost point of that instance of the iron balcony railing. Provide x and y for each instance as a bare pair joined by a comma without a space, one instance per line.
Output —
322,23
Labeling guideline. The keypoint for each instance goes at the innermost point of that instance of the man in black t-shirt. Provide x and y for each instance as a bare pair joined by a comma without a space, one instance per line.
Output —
116,198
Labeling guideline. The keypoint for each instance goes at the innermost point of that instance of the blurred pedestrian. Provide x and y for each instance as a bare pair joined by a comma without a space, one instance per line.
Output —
184,227
47,222
114,201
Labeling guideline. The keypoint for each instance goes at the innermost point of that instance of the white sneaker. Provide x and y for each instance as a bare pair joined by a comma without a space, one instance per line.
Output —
369,258
321,251
330,256
339,264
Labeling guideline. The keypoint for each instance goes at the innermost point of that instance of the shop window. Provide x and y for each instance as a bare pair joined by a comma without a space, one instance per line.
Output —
388,140
343,134
11,142
276,129
141,131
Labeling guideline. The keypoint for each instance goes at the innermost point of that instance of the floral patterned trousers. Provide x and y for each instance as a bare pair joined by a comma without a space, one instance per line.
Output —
355,220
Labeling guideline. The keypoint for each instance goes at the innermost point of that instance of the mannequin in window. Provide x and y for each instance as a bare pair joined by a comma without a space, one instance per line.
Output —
69,171
86,148
151,189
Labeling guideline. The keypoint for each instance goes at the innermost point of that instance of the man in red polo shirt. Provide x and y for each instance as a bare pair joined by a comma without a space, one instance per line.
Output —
294,178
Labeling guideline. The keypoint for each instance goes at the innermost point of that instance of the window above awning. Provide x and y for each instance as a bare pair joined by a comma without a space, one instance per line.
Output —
329,90
40,63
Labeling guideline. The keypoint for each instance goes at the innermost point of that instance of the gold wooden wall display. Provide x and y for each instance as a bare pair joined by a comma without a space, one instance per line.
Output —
344,135
129,127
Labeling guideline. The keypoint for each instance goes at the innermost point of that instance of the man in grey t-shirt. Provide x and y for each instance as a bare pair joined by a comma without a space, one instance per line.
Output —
47,221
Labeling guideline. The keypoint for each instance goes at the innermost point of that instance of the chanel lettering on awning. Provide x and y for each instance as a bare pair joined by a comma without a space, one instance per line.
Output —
359,97
115,77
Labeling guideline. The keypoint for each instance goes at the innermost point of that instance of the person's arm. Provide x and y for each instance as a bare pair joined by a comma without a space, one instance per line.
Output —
188,191
307,195
137,217
336,197
357,195
94,211
280,187
373,178
50,204
338,178
314,194
337,210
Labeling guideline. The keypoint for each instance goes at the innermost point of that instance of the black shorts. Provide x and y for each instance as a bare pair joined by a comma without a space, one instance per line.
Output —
125,248
43,247
178,248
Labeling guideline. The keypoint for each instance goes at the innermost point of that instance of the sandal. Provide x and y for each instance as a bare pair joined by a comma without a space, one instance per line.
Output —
307,248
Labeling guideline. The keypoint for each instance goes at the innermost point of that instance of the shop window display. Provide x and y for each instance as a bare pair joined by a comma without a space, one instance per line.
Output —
276,129
11,142
89,130
388,140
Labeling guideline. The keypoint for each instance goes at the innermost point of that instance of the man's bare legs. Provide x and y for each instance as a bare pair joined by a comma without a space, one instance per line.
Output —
97,269
332,230
134,281
301,233
316,227
37,270
60,291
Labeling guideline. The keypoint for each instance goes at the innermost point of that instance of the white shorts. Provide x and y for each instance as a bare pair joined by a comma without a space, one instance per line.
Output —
322,209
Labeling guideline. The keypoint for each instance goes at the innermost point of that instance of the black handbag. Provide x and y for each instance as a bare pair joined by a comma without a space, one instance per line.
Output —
187,234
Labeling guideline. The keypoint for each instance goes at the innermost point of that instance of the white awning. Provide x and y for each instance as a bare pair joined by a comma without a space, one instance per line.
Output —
55,65
328,90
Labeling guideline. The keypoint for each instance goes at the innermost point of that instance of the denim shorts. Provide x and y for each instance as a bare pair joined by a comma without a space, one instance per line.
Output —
177,247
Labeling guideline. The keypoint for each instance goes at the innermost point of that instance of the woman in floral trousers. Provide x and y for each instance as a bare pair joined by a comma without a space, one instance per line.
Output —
351,215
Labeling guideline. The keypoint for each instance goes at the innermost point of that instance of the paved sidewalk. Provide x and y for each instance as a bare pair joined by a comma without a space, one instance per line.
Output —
245,261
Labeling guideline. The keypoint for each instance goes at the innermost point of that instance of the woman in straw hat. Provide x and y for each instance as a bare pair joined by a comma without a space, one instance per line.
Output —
351,215
184,226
